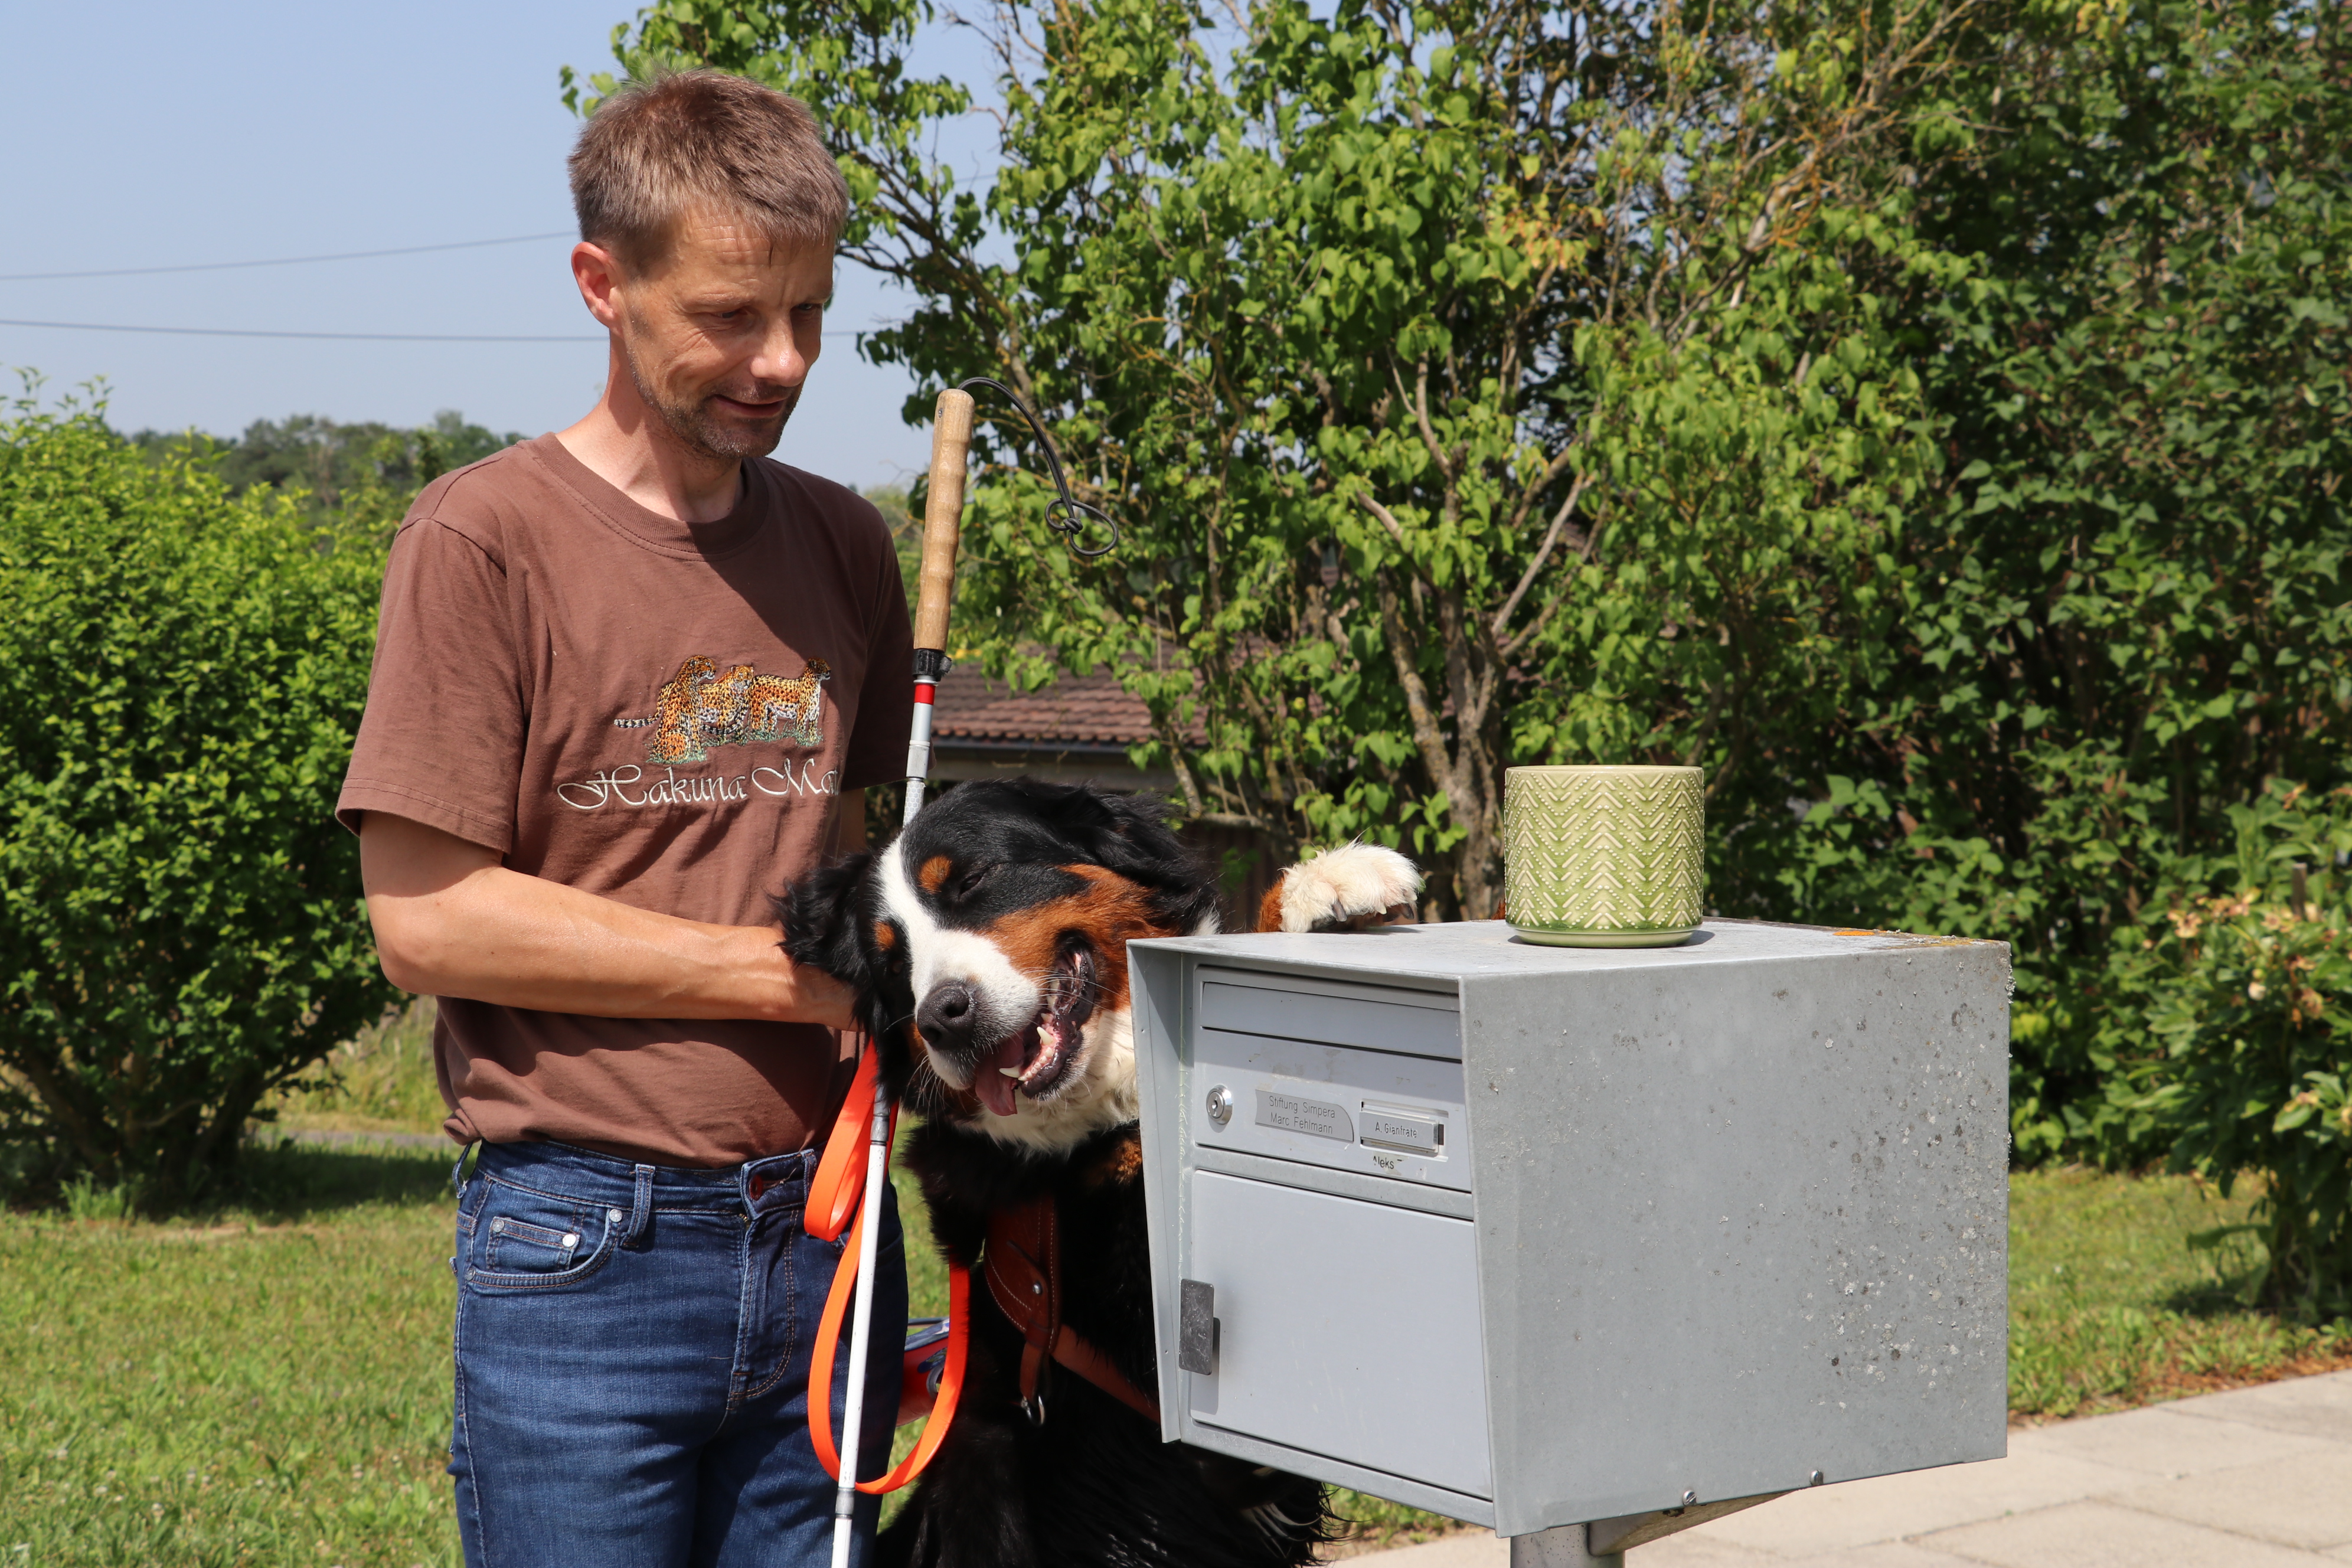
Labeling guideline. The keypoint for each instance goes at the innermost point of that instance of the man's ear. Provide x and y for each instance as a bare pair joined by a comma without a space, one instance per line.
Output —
820,924
597,273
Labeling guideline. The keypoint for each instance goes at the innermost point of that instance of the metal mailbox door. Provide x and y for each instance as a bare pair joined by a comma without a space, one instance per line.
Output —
1346,1328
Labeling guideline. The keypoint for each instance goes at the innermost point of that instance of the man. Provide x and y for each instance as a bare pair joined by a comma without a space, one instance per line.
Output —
633,677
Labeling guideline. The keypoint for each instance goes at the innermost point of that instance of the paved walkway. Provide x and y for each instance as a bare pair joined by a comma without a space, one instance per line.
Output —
2257,1478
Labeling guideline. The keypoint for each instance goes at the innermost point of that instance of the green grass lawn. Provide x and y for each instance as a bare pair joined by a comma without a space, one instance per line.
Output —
265,1384
269,1382
2108,1307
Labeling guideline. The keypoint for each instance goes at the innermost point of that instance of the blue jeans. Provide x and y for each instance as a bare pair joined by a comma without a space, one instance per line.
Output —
633,1349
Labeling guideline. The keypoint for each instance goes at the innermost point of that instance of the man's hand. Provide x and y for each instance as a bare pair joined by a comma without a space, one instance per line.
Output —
451,922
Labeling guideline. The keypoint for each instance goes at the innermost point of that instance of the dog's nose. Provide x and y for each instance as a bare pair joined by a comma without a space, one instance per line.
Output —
946,1016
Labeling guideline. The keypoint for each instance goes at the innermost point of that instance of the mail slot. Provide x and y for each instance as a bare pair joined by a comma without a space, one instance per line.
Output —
1541,1236
1352,1077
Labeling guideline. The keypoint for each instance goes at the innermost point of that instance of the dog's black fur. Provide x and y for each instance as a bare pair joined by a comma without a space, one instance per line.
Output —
1009,840
1092,1484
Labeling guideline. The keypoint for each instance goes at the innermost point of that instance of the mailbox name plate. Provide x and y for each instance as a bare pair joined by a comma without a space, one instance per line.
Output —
1404,1129
1294,1113
1320,1105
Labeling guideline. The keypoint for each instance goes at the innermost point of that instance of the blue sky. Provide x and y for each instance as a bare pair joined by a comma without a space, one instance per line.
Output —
251,131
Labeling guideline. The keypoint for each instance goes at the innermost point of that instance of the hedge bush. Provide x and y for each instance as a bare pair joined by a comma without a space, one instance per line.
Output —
181,924
2130,613
2226,1038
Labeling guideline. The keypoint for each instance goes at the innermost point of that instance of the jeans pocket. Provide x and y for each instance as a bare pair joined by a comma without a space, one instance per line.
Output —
528,1240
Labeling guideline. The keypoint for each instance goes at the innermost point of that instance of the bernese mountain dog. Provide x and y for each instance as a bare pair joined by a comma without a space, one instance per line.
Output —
988,945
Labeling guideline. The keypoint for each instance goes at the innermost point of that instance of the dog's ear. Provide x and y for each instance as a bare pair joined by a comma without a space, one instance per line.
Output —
1129,834
820,924
1137,828
1122,832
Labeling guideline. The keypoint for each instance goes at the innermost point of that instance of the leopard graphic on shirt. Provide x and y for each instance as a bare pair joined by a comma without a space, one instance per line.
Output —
702,706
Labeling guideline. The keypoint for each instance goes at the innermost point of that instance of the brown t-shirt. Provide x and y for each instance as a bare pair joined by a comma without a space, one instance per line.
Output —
659,712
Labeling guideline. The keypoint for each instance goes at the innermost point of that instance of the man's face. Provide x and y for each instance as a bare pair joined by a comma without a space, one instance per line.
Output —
720,332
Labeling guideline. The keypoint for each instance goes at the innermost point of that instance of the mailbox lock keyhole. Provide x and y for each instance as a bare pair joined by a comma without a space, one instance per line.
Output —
1220,1105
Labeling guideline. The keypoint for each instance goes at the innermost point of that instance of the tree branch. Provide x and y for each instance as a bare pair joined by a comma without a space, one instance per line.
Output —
1396,532
1419,710
1559,525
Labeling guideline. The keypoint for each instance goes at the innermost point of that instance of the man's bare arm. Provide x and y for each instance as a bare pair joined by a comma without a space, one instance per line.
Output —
451,922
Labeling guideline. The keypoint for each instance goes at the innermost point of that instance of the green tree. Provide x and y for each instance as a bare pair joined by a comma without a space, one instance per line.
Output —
1932,419
906,533
1457,375
180,927
2130,609
327,462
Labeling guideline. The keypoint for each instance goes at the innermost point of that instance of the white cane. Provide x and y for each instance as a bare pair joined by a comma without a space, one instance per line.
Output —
942,518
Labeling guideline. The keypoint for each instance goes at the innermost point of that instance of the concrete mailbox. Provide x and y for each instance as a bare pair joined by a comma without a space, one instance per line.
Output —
1542,1238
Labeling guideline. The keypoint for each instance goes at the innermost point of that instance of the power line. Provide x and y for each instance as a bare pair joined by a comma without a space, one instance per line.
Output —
282,260
338,337
341,337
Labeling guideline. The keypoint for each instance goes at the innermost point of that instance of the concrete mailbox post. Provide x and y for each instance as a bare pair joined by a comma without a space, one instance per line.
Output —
1583,1244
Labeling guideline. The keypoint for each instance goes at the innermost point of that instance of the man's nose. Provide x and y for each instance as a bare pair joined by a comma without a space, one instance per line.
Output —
780,362
945,1018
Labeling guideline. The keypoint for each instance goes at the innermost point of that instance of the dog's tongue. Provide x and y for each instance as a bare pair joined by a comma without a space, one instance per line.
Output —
997,1091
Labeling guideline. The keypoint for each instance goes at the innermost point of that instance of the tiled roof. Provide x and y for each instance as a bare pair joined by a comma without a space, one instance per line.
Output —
1088,711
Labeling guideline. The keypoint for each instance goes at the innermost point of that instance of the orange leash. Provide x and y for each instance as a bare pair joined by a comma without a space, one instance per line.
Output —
828,1336
840,1179
833,1202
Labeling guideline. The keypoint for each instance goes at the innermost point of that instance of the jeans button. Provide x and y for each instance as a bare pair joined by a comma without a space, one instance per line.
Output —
612,1216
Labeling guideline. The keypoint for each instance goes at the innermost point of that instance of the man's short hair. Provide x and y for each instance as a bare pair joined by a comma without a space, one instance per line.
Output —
659,149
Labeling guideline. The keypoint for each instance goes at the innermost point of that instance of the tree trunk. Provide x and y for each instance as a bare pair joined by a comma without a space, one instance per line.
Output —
1478,869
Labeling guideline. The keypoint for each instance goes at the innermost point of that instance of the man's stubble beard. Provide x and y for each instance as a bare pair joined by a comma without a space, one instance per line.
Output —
694,427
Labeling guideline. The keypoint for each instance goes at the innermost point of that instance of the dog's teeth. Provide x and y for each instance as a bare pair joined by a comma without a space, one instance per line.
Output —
1010,1072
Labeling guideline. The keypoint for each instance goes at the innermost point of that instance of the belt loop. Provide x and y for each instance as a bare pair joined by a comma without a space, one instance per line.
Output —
457,1171
642,1214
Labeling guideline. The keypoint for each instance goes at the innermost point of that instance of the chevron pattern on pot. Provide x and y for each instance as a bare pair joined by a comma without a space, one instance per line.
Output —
1603,850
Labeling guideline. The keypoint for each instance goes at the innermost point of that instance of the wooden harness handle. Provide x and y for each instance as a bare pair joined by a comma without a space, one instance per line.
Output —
943,516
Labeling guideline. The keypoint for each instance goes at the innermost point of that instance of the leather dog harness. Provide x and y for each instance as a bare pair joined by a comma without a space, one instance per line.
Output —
1024,1269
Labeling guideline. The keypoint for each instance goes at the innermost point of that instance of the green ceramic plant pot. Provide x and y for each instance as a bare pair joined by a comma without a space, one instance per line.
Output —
1604,857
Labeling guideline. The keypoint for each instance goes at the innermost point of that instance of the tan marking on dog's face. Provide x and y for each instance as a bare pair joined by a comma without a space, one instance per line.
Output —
1120,1164
885,936
934,873
1111,912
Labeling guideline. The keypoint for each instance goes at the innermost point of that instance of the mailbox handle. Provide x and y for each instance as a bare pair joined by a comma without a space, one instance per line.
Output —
1196,1327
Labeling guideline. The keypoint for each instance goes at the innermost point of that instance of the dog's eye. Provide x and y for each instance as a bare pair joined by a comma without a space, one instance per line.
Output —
972,880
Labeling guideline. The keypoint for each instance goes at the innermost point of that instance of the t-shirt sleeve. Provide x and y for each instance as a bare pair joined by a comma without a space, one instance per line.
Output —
441,742
877,745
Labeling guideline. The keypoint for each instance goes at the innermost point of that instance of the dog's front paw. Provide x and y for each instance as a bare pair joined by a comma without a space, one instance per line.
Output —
1347,889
